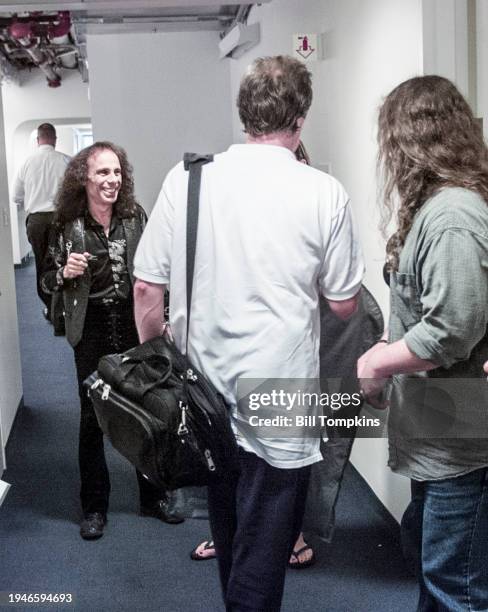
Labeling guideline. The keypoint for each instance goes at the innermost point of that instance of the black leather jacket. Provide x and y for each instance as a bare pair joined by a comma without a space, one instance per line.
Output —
71,239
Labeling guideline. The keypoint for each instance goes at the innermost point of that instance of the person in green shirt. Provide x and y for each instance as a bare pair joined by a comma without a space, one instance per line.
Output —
434,165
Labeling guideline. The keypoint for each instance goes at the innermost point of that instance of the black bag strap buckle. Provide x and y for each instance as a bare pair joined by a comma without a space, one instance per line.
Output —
194,158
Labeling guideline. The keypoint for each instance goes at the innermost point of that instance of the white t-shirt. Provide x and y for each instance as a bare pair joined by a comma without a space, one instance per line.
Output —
38,179
272,233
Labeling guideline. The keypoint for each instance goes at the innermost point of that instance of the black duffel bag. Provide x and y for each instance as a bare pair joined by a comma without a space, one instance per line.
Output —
163,416
156,408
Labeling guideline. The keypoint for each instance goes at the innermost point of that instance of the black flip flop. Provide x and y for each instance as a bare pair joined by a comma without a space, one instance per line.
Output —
305,564
208,545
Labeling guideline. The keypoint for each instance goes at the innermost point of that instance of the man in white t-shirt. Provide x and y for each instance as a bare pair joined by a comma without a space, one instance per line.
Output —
35,188
272,235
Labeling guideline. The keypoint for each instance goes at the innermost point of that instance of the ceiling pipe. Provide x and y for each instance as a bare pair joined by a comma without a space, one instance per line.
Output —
36,26
66,52
62,27
40,60
28,32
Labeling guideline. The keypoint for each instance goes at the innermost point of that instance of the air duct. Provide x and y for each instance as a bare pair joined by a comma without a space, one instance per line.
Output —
239,39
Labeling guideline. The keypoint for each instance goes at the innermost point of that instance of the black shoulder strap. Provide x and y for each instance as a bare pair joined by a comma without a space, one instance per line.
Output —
192,162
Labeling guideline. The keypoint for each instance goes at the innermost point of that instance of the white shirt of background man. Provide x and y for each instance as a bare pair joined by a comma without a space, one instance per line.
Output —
38,179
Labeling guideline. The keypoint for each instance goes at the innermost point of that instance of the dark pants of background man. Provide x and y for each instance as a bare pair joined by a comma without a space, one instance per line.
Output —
38,226
255,517
108,329
445,536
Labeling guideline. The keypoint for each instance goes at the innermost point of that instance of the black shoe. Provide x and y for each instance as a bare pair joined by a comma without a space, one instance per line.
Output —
161,511
92,525
45,314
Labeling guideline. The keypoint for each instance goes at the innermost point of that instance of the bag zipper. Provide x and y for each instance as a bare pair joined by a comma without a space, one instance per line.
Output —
96,384
208,457
106,391
106,388
182,428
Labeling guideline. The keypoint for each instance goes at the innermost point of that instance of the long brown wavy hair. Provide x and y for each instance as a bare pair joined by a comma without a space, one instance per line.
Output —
428,139
71,200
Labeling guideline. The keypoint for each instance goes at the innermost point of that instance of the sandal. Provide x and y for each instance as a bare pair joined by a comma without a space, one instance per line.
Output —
208,546
296,554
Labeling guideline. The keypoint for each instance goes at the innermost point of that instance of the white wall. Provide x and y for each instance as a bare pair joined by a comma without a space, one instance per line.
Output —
25,107
445,32
10,371
369,48
482,62
376,45
22,108
159,95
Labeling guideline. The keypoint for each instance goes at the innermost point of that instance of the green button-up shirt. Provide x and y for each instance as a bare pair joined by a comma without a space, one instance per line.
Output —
438,423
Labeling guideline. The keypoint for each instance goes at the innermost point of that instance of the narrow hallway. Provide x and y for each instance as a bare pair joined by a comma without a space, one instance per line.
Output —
140,563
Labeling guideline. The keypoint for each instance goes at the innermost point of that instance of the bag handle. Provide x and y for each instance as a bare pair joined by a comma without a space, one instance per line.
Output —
158,383
154,363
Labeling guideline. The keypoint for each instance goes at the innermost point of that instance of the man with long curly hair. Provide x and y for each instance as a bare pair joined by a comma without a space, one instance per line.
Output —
98,224
435,177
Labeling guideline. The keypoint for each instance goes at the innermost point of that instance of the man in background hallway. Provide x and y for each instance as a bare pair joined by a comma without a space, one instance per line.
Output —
35,189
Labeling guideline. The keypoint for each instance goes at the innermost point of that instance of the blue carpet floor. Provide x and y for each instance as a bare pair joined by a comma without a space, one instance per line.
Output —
141,564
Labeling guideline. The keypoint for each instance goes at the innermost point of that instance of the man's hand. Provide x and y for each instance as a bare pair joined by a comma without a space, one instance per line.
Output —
485,367
371,382
384,360
365,356
76,265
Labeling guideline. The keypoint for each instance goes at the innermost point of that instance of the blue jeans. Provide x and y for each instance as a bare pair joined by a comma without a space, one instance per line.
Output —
445,537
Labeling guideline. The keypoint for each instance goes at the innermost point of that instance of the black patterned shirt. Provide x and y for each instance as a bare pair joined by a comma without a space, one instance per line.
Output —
110,278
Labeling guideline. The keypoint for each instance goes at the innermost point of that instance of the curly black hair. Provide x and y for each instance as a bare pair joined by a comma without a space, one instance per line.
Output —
71,201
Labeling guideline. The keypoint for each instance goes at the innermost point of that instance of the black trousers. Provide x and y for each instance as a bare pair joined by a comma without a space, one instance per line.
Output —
37,227
255,517
107,329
